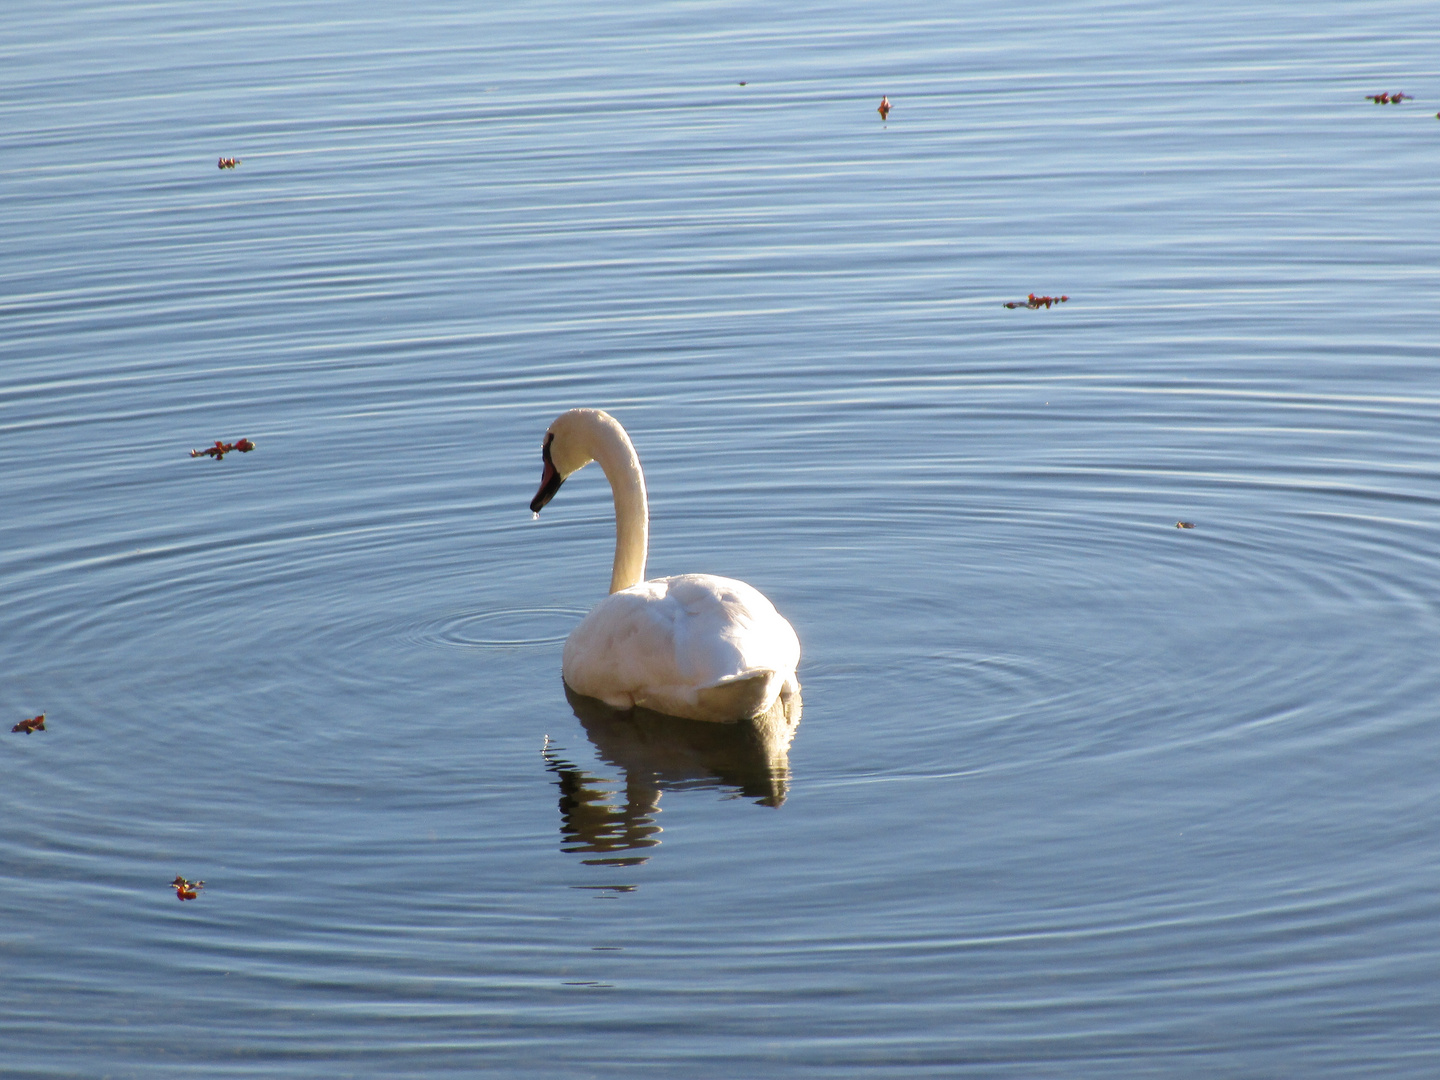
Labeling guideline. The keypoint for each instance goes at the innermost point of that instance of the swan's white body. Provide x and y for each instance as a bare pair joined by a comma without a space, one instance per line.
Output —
695,645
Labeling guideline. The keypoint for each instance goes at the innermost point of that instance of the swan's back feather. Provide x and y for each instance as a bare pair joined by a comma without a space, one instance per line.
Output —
696,645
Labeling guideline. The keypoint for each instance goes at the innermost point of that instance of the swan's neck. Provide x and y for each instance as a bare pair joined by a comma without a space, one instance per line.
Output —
616,455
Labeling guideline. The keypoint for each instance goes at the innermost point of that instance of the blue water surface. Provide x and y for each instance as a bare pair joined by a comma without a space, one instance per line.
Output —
1075,793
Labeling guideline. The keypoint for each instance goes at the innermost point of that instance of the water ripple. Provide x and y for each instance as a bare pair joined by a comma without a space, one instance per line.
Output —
507,628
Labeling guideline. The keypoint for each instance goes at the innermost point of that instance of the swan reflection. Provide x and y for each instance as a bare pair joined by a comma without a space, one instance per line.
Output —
657,753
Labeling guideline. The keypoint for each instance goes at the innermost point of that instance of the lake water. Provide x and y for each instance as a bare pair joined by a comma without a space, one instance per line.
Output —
1075,793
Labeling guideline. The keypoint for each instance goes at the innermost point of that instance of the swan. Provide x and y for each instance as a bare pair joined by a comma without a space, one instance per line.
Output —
695,646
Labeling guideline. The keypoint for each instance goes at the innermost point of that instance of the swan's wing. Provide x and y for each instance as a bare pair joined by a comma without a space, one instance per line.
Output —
663,643
625,643
728,630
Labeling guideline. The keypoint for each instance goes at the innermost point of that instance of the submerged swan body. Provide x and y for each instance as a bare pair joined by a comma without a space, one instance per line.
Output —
694,645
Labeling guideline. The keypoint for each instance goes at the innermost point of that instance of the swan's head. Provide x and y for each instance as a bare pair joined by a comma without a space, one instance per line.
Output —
567,449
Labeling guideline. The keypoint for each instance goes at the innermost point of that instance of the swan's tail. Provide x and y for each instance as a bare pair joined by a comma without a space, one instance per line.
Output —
740,698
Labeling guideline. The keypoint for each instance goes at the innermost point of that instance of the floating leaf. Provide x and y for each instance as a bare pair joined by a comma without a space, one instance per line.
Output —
35,723
220,449
1034,302
186,890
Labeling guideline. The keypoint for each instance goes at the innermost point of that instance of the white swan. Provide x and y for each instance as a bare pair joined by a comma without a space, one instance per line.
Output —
697,646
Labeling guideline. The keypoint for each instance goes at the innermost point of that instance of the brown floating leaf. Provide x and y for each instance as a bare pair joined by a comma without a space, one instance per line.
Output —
220,449
1184,524
186,890
229,162
1034,302
35,723
1388,99
884,109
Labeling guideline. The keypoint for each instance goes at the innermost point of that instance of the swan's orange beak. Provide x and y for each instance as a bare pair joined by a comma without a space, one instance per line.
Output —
550,479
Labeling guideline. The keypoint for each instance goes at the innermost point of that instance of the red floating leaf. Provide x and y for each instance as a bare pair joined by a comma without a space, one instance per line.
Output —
1034,302
186,890
884,109
220,449
35,723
